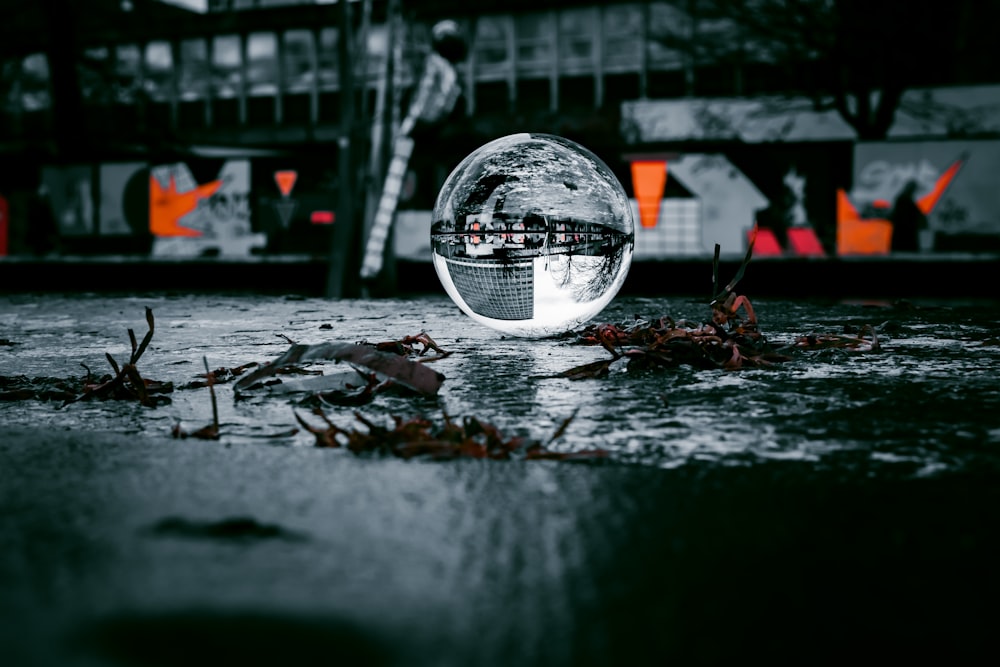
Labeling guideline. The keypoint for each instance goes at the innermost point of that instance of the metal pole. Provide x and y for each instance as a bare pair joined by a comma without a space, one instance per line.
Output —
382,132
342,248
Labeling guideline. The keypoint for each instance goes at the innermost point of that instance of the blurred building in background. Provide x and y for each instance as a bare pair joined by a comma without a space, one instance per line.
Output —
194,127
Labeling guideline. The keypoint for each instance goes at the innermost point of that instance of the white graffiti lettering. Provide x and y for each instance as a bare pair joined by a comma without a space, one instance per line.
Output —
881,179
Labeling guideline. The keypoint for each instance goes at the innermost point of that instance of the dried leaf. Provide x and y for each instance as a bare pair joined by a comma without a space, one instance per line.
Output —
411,374
594,369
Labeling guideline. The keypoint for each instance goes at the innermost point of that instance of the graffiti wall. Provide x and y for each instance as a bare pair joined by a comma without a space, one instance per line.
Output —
954,183
193,208
807,199
192,217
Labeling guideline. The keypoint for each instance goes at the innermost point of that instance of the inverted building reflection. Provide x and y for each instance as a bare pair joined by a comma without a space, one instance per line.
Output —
493,259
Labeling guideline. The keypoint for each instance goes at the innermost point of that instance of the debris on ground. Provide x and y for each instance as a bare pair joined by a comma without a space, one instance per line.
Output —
375,366
730,340
447,439
127,384
211,431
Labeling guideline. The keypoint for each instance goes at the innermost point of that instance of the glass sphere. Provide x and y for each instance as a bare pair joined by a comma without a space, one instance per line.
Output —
532,235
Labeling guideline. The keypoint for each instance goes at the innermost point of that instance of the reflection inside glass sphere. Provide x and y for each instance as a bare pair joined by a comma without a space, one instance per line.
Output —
532,235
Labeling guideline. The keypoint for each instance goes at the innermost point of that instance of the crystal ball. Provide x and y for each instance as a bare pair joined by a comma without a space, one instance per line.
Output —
532,235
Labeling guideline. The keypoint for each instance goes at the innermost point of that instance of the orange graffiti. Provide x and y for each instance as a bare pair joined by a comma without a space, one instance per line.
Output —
859,236
873,236
929,200
167,206
649,177
286,181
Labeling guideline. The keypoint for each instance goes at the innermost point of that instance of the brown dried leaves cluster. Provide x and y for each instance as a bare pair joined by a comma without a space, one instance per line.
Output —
470,438
730,340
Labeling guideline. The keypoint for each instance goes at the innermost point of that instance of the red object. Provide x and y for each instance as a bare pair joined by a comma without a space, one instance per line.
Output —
4,225
286,181
766,243
804,242
322,217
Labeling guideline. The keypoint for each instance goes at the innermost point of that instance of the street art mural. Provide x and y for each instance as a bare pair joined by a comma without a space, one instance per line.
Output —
203,206
725,203
808,201
720,205
953,184
188,218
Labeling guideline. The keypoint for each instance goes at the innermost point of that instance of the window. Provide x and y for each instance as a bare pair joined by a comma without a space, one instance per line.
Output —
159,70
194,70
718,39
536,37
492,55
34,80
297,58
623,31
668,36
577,39
377,53
128,73
262,64
327,59
226,63
95,75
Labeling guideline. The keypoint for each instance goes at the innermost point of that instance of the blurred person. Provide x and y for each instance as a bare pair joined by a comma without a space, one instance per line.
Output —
436,108
907,220
438,92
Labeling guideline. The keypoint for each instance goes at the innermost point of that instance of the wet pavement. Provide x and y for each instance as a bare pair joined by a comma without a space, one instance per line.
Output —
839,504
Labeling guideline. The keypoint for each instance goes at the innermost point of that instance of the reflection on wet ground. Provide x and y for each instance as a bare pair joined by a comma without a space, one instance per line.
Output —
834,506
928,401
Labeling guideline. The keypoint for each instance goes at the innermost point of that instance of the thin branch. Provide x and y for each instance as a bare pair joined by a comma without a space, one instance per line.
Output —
210,377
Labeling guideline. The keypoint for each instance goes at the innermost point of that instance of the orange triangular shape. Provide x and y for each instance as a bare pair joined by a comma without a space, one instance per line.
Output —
649,178
928,201
286,181
845,209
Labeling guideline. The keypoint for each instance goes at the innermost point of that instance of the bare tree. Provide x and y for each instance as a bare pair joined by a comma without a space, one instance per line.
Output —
855,56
